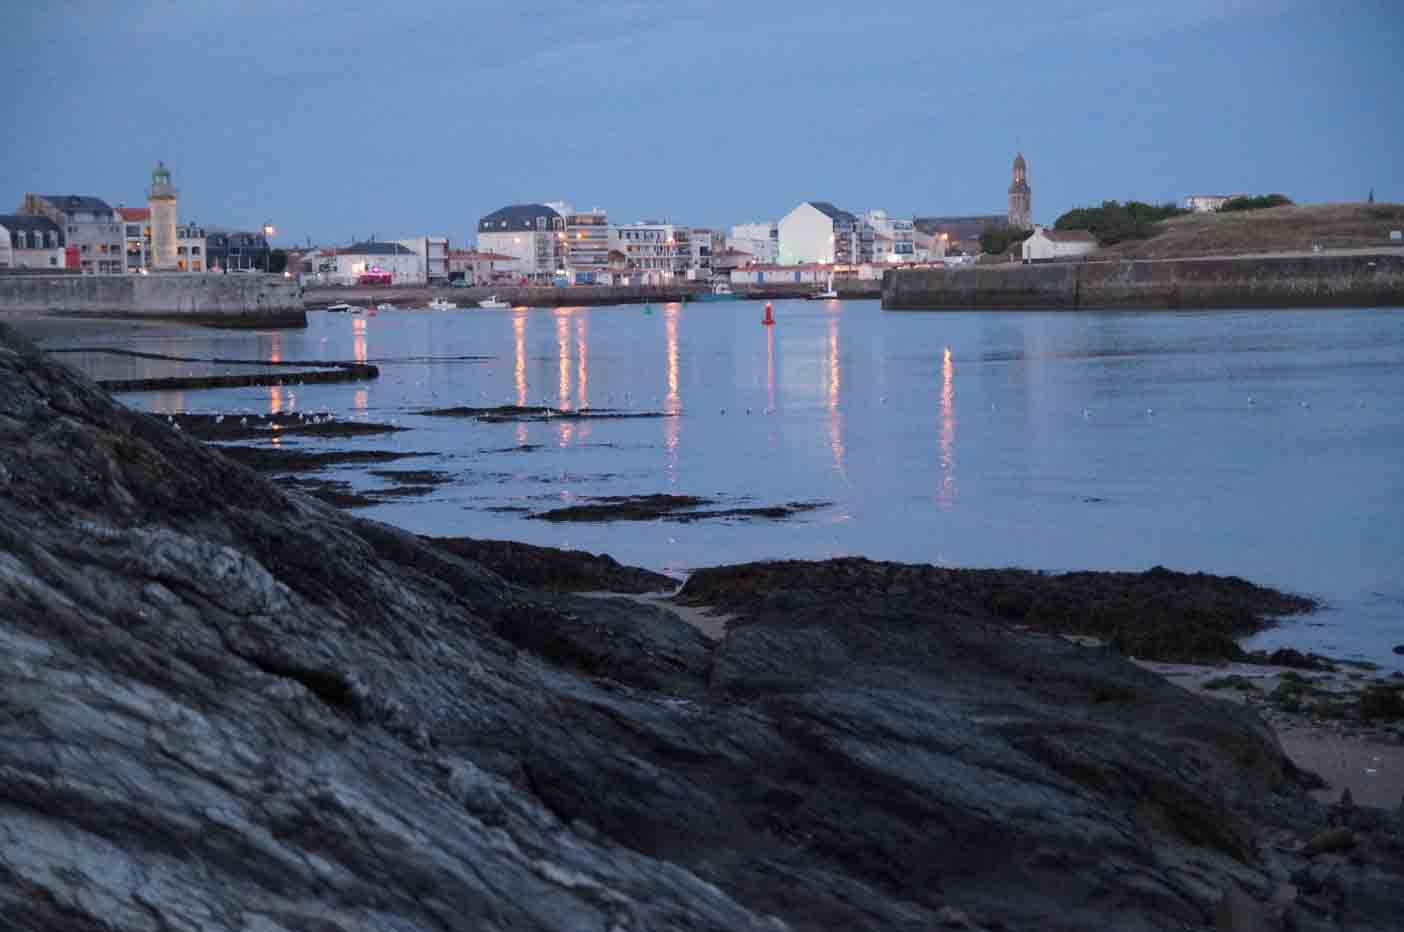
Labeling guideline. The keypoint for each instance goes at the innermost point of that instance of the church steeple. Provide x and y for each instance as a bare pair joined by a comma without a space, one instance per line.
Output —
1020,196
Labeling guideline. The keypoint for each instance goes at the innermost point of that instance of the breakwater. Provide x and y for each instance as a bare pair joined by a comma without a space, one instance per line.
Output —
1356,280
239,300
573,295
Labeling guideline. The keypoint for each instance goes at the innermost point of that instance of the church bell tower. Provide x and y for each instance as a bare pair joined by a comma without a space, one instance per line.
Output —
1020,196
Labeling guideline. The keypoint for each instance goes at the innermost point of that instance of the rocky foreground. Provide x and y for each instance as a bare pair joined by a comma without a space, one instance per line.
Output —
224,706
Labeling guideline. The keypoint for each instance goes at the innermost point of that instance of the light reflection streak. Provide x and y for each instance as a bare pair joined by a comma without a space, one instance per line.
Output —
835,382
770,368
946,490
358,338
362,400
671,424
275,399
519,372
566,429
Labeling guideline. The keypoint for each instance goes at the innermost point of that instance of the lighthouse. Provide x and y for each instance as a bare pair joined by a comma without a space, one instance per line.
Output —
161,197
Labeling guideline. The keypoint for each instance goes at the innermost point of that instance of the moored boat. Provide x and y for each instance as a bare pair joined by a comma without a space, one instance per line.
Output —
439,304
721,291
340,307
493,302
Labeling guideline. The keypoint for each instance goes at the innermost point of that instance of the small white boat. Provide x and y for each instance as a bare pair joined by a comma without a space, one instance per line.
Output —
439,304
830,295
386,307
492,302
338,308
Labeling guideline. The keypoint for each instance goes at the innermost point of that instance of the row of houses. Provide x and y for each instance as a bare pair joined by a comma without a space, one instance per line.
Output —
554,242
86,234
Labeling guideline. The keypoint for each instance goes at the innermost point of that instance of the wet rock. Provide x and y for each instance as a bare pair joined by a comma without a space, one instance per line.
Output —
684,508
1159,614
557,570
1340,838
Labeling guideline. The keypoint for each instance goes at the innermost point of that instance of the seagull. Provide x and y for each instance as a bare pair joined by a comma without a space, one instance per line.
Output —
1150,411
1086,412
1306,404
1251,402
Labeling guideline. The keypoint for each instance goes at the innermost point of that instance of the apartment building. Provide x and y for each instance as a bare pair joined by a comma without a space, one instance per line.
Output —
533,235
587,239
190,248
894,240
817,231
434,251
92,232
652,247
30,243
761,241
136,237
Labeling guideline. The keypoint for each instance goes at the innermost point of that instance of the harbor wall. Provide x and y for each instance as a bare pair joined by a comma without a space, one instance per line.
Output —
1357,280
222,300
573,295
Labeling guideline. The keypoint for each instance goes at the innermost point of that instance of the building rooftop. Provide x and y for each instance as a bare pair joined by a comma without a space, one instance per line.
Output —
16,222
829,210
959,228
134,214
377,249
76,202
517,217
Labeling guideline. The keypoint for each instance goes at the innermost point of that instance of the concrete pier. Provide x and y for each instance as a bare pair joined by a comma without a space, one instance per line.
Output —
1358,279
222,300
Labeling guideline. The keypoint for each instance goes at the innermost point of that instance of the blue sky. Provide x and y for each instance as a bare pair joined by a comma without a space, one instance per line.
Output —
335,120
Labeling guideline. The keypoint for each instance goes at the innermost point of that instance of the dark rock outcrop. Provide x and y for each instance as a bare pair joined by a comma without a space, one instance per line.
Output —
223,706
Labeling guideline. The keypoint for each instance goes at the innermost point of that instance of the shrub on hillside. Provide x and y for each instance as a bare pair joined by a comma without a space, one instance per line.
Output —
1115,222
1259,202
997,242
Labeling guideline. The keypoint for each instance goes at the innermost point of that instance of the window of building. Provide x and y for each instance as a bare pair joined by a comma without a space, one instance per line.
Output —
53,260
195,266
194,250
87,249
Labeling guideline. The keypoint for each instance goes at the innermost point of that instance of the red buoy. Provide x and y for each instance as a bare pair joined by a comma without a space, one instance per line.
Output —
768,319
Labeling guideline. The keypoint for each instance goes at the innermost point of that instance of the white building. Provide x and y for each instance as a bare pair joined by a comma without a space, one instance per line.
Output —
473,267
806,273
136,228
1046,244
587,240
433,251
30,243
534,235
759,240
652,247
360,261
1208,203
817,231
190,247
897,237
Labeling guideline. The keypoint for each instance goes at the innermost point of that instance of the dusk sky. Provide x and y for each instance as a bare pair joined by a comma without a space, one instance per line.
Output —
334,120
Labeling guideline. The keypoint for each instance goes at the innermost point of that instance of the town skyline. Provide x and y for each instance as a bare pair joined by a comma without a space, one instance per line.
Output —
306,123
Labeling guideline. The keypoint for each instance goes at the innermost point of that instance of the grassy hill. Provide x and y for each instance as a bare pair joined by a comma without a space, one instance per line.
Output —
1278,229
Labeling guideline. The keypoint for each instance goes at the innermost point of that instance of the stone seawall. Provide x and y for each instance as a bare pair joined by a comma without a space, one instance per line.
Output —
1287,281
219,300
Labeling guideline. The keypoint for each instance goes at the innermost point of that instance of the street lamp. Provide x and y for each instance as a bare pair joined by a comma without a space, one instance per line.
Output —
268,231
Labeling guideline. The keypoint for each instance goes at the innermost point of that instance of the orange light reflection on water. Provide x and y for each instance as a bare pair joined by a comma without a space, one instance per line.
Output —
835,381
946,490
565,429
672,403
519,371
358,338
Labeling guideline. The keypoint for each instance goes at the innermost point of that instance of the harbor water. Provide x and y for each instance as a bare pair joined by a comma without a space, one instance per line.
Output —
1263,444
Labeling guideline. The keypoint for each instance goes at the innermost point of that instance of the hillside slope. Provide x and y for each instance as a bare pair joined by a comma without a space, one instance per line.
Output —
1279,229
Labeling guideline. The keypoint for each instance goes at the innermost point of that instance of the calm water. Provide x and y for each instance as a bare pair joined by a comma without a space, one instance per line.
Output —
1045,440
